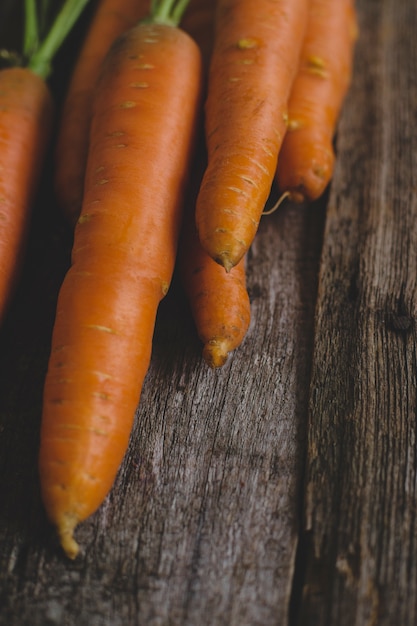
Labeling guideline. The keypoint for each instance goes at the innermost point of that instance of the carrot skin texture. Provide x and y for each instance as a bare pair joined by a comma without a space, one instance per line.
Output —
26,111
219,301
124,251
111,19
306,160
254,61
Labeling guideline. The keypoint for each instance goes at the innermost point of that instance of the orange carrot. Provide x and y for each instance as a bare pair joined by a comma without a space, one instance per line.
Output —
111,19
25,123
306,159
26,112
254,61
218,300
144,116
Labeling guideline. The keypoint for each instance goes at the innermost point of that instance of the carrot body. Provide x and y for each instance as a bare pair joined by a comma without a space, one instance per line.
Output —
254,61
26,110
111,19
306,159
219,301
124,250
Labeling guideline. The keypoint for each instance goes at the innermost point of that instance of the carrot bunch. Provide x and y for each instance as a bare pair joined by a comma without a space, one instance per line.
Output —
26,113
149,176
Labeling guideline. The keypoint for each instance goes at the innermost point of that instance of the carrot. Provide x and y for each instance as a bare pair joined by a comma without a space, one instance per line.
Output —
306,159
111,19
26,112
254,61
218,300
142,134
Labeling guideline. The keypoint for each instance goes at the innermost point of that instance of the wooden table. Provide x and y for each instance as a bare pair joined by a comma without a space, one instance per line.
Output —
280,490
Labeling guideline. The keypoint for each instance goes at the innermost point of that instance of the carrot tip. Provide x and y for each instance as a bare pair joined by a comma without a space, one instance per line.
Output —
65,531
215,353
225,261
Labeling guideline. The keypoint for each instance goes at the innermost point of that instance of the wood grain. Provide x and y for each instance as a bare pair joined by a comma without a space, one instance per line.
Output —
360,508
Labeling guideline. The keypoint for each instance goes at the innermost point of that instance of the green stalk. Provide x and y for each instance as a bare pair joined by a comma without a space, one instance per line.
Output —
44,11
179,10
40,62
31,29
168,12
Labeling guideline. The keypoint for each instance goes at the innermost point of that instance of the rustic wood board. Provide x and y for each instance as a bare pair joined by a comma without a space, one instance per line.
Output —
360,526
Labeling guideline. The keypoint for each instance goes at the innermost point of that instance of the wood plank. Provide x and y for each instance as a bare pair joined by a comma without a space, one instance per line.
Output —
360,524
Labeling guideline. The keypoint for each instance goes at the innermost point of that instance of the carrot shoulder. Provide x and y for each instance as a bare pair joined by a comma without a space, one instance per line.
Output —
306,159
111,19
124,250
254,61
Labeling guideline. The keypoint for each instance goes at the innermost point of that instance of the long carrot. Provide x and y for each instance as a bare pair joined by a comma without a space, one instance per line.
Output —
254,61
218,300
111,19
142,134
306,159
26,112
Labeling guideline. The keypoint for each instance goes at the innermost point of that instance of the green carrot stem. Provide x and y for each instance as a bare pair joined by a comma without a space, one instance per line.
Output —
168,12
179,9
44,12
31,28
40,62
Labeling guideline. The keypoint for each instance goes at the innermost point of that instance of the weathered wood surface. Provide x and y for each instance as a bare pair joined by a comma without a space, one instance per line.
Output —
360,526
250,496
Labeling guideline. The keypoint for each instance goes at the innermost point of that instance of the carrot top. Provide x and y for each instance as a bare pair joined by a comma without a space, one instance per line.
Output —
44,31
167,12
